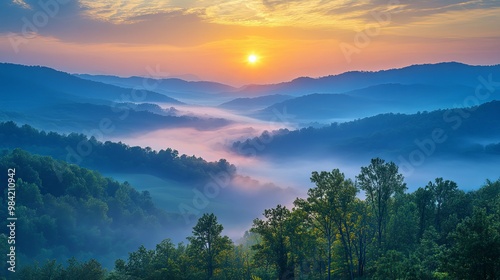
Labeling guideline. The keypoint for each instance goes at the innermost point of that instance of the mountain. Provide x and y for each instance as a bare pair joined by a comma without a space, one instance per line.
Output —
472,131
174,87
440,74
68,211
42,84
254,103
109,156
115,121
314,107
373,100
54,100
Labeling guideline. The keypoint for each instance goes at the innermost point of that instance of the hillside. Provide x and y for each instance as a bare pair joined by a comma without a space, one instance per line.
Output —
373,100
255,103
75,212
116,120
36,83
109,156
177,88
440,74
469,131
57,101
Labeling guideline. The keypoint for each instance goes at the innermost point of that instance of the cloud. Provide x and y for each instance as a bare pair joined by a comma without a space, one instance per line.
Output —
22,4
168,22
122,37
126,11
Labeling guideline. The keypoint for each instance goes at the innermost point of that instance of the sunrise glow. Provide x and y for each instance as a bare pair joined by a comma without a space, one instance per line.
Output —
252,59
204,39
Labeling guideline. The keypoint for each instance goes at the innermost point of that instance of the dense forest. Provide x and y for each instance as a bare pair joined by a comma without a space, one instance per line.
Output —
110,156
465,129
435,232
77,212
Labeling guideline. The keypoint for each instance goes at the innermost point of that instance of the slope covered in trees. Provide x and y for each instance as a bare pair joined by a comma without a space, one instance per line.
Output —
109,156
40,84
435,232
379,99
75,211
462,131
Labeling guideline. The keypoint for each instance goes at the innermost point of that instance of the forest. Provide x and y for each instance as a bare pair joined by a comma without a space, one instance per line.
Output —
367,227
76,213
110,156
391,133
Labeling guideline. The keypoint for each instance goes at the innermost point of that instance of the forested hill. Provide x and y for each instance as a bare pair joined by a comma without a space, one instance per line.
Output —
41,84
437,232
75,212
466,131
110,156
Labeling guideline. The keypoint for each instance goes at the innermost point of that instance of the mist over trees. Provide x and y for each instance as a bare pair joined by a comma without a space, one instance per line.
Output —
435,232
393,134
76,212
110,156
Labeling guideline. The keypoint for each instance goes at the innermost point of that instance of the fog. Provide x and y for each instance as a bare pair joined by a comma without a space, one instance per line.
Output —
263,182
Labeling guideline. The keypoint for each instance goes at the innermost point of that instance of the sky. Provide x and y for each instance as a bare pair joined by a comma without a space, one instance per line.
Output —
212,39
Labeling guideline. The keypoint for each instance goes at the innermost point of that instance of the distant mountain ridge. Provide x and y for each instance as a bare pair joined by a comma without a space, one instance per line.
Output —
471,131
348,95
373,100
185,90
253,103
445,73
163,83
49,81
55,100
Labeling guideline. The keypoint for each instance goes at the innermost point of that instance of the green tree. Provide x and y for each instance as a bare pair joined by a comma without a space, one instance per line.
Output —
303,241
391,266
208,242
443,191
476,249
50,270
425,201
330,205
363,232
91,269
402,226
380,181
488,197
140,263
164,261
424,261
275,245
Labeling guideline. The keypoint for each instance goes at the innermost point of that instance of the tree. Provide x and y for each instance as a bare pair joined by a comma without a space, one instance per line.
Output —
380,181
391,266
275,243
402,225
424,260
140,263
330,205
303,242
208,242
476,250
363,232
443,191
488,197
91,269
50,270
165,261
425,201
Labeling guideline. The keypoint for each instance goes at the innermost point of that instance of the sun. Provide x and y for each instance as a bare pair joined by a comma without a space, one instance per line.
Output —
252,59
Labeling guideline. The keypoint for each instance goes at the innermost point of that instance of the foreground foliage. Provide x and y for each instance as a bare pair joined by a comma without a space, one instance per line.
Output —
435,232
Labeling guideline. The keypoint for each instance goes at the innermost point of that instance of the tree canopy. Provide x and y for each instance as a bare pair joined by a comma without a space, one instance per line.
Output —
436,232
